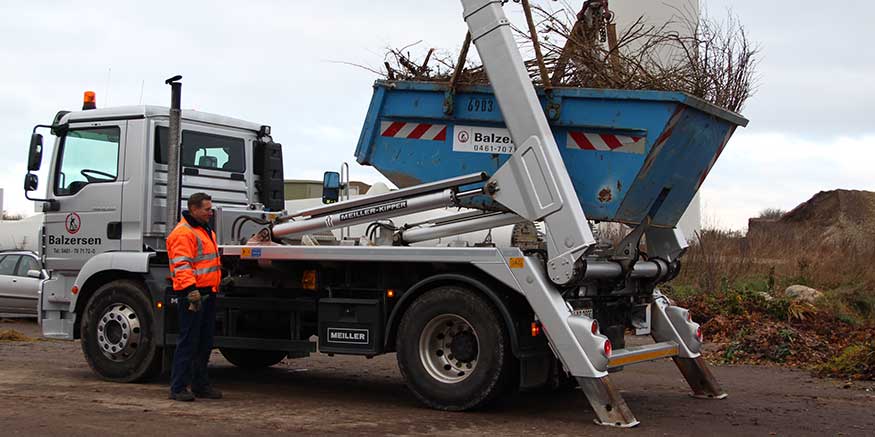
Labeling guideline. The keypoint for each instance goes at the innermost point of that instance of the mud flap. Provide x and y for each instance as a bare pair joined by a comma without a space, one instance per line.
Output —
699,376
609,407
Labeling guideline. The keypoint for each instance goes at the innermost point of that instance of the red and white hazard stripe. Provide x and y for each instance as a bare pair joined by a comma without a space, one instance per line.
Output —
660,142
605,142
413,131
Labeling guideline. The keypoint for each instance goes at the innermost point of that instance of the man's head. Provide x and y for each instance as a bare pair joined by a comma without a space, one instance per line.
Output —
200,207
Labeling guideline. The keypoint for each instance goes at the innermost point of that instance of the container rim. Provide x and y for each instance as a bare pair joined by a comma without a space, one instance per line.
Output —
592,93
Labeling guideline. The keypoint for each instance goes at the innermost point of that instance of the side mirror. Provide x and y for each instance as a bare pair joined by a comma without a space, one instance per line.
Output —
35,155
31,181
36,274
330,187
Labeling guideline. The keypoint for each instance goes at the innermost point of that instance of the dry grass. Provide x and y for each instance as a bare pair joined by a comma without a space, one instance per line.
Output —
13,335
722,259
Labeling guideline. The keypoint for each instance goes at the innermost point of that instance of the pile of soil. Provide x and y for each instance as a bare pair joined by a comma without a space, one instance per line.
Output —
839,215
835,217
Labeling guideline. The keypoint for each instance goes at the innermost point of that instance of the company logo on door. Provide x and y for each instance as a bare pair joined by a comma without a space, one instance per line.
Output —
482,140
67,245
72,223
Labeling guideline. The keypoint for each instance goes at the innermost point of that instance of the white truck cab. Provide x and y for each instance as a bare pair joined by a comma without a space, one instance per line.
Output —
107,188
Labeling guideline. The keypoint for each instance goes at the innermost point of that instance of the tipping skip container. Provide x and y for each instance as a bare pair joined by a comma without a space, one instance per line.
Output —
630,154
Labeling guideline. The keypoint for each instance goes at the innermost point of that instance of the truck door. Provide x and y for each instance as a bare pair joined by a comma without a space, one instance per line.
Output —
87,183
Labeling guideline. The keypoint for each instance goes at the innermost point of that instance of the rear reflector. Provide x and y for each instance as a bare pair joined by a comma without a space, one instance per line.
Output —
308,280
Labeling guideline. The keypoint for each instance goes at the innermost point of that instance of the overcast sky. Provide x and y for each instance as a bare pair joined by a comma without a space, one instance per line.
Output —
275,63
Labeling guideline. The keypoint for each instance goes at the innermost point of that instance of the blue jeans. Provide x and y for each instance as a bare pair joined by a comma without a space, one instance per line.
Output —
194,344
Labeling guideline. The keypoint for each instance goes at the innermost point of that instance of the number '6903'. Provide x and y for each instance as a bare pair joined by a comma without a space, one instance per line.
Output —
481,105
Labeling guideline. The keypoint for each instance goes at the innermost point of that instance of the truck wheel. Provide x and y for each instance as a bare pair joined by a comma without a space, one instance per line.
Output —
453,350
116,333
252,359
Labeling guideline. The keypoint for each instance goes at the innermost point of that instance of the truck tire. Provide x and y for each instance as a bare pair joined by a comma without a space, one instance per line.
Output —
116,333
453,350
252,359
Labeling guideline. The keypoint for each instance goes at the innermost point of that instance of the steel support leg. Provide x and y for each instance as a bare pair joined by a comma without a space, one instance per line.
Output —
609,407
700,378
534,182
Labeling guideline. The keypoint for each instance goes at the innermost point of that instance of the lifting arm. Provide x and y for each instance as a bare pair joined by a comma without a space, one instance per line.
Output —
533,182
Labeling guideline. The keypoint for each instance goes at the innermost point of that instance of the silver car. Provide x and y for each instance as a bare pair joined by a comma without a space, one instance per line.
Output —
21,275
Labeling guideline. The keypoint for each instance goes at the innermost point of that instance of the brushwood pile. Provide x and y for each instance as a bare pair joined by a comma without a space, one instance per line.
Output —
711,59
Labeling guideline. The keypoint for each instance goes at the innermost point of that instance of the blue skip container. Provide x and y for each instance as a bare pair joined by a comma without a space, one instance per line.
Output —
630,154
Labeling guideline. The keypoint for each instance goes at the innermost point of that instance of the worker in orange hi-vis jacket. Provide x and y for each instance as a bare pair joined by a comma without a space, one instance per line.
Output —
196,271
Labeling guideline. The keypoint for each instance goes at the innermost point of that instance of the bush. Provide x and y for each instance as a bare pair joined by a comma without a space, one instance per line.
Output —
772,213
856,361
850,305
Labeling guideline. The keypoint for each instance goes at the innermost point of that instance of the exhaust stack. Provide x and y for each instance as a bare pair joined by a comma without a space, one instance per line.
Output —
173,147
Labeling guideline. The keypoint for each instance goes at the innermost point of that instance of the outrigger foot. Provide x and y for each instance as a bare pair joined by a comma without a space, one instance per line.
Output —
609,407
699,376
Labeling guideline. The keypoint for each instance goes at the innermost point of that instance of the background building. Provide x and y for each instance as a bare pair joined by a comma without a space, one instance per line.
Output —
295,189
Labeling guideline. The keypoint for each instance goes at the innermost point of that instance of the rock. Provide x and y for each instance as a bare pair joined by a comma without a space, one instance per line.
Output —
802,293
766,296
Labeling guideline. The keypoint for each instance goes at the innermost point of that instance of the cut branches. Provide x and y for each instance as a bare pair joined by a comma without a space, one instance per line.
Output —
710,59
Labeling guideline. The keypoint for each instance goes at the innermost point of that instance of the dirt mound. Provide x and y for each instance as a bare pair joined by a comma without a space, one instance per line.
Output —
837,209
834,217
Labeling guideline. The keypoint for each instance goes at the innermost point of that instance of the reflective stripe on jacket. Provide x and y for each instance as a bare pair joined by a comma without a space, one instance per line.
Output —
194,257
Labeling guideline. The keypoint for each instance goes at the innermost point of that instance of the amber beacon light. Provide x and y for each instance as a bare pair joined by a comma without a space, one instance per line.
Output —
89,100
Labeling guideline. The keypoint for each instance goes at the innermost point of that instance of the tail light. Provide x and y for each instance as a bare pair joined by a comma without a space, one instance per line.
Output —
595,327
689,317
608,348
536,329
699,334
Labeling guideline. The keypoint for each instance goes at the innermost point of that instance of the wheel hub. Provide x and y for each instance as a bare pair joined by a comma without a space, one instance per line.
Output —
449,348
118,332
464,346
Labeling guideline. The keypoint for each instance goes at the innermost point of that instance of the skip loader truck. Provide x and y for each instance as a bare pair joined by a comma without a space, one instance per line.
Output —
469,323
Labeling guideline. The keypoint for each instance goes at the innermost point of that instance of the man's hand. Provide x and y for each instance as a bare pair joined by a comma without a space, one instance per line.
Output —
194,300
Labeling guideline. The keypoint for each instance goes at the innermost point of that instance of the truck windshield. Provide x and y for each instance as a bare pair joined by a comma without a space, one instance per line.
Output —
87,156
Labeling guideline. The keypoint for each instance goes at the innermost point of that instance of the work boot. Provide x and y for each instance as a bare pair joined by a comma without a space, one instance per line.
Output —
208,393
184,396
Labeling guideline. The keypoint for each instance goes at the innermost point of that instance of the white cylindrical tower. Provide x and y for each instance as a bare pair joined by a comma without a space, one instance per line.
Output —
677,16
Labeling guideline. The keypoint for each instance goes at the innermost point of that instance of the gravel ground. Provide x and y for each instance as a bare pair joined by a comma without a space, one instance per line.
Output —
46,388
